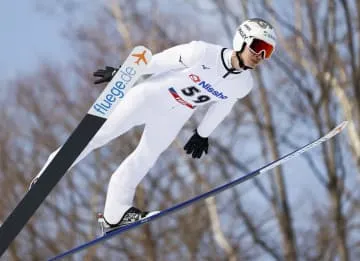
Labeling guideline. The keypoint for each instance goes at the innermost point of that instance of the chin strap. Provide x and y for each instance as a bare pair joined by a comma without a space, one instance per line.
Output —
241,62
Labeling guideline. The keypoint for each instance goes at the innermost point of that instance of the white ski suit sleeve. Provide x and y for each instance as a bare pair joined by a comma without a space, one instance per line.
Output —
214,116
176,57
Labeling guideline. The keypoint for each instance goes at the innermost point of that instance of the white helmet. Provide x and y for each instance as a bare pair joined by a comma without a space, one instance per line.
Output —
255,29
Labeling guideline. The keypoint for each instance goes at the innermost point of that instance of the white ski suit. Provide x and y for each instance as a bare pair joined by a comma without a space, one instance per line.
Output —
183,78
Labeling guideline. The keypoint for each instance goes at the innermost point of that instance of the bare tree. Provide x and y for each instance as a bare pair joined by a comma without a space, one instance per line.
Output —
309,58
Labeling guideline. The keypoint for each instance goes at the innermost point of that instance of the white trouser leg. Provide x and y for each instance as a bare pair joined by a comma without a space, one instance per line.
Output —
157,136
130,112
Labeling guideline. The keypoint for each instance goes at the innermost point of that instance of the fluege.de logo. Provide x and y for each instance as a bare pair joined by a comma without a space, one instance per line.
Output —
116,91
206,86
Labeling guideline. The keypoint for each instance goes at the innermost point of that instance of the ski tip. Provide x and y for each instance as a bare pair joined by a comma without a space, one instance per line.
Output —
341,126
337,129
142,49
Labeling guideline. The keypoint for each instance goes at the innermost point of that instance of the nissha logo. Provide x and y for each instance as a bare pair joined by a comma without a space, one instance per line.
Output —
207,86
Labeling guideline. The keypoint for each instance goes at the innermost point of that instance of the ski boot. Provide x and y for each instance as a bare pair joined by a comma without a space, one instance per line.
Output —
131,215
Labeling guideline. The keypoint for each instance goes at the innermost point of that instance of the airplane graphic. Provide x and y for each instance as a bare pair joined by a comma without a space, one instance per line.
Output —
141,57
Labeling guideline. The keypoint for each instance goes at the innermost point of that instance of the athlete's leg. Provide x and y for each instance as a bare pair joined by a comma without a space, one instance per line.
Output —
131,111
158,134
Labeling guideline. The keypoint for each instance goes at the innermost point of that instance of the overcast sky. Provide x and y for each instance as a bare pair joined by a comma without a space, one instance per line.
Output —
27,37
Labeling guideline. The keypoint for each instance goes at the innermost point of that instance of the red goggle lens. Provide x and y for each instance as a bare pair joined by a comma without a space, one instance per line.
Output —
259,46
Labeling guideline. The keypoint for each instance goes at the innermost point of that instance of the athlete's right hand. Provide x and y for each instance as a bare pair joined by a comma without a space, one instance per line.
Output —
197,145
105,75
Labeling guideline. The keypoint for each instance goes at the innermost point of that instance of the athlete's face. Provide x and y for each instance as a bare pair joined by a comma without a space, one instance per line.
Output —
250,58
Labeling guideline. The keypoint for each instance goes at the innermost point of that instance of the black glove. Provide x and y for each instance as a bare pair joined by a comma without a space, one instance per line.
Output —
105,75
197,145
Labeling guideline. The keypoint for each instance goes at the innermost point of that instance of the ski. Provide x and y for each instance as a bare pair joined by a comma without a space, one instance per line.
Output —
205,195
132,68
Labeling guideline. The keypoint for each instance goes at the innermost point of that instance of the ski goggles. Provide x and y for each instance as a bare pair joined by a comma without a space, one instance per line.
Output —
259,46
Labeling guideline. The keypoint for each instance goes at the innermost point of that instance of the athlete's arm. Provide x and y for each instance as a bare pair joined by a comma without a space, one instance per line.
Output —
214,116
198,143
177,57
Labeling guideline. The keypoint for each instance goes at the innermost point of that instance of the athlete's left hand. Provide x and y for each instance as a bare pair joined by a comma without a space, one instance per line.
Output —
105,75
197,145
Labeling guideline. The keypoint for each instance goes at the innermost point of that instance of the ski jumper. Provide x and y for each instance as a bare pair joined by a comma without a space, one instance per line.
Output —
182,78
